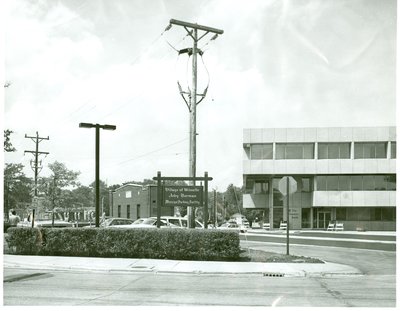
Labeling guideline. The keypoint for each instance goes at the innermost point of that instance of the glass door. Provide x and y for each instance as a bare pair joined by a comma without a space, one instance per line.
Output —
324,218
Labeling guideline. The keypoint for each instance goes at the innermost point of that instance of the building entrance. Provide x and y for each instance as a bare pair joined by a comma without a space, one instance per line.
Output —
324,217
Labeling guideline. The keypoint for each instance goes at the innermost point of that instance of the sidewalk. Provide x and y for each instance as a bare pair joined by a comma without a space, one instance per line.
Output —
126,265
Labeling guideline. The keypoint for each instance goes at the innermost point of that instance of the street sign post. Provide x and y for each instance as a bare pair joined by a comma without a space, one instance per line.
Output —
287,185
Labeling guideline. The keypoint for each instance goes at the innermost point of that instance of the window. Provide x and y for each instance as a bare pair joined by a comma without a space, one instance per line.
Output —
249,186
137,211
261,151
369,150
388,214
295,151
128,211
260,187
344,183
306,185
380,182
383,213
321,183
332,183
393,150
391,182
333,150
277,195
341,213
119,210
356,182
368,182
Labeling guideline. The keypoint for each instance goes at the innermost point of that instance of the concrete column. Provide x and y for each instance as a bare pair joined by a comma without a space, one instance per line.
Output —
271,202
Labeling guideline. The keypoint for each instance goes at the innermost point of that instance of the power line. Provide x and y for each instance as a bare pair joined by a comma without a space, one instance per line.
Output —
151,152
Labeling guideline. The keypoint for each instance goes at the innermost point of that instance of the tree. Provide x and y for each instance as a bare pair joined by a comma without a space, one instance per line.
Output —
17,186
54,185
104,196
8,147
233,200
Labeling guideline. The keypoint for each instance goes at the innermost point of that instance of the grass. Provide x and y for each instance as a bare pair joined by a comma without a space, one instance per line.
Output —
252,255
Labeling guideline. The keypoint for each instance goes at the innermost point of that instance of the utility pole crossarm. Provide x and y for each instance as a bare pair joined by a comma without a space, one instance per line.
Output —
34,152
196,26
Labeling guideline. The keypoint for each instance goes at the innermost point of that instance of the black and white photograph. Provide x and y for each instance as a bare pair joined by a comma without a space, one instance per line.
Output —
199,154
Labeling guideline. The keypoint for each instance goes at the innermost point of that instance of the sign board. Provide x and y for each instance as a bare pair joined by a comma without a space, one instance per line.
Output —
183,196
282,186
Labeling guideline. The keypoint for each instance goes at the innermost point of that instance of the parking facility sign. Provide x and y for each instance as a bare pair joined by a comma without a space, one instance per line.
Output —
183,196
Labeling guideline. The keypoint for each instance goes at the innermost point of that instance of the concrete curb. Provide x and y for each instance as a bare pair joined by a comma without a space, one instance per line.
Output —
157,266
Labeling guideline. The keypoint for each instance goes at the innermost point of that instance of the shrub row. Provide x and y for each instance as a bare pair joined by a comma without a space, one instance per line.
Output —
176,244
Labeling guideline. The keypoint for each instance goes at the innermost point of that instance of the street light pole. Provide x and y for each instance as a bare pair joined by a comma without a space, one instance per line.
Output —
97,182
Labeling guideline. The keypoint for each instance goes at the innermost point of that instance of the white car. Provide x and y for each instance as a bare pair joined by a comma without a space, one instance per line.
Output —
233,227
45,223
181,222
147,223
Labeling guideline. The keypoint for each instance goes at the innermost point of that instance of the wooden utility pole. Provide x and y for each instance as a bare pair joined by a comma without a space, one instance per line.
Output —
192,30
35,165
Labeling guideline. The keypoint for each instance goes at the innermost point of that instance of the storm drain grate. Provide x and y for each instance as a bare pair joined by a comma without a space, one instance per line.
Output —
273,274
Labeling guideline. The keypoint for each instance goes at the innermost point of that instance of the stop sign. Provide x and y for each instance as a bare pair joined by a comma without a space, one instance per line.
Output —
282,186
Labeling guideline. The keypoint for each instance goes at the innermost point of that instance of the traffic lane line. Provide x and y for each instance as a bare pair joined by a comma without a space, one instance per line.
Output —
276,301
327,235
374,245
321,238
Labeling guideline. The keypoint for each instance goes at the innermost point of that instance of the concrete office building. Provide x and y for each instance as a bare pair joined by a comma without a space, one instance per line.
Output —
345,174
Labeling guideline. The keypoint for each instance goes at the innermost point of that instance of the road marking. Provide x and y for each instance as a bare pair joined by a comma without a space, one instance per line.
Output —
276,301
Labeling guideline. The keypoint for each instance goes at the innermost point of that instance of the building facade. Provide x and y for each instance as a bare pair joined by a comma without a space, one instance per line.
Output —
345,174
136,201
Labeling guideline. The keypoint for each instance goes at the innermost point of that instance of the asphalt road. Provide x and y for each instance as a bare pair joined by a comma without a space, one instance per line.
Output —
376,288
361,241
28,287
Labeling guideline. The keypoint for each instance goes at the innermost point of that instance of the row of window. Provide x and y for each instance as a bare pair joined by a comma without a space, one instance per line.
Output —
128,211
329,183
366,213
262,186
286,151
356,182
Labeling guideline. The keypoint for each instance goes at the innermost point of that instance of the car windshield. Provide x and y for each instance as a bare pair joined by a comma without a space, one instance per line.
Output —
148,221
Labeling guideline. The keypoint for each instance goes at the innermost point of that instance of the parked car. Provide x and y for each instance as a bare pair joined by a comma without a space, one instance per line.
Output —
233,226
147,223
111,222
181,222
45,223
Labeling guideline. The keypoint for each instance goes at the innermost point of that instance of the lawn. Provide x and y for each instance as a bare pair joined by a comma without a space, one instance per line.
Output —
252,255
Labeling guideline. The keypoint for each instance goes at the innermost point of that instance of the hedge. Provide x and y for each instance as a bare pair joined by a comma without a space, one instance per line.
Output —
179,244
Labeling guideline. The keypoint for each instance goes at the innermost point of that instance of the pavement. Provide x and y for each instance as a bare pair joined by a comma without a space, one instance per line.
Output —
176,266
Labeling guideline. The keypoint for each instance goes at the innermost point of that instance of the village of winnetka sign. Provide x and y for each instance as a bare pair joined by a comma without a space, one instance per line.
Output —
171,196
183,196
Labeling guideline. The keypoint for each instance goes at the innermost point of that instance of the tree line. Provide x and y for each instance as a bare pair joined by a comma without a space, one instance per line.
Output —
62,190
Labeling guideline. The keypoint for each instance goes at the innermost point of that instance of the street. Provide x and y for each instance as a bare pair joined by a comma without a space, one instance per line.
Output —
27,287
375,288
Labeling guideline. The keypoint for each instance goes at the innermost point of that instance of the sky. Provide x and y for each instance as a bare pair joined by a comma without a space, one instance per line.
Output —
282,63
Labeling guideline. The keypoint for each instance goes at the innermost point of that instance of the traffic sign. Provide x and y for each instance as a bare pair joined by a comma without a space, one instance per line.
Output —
282,186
